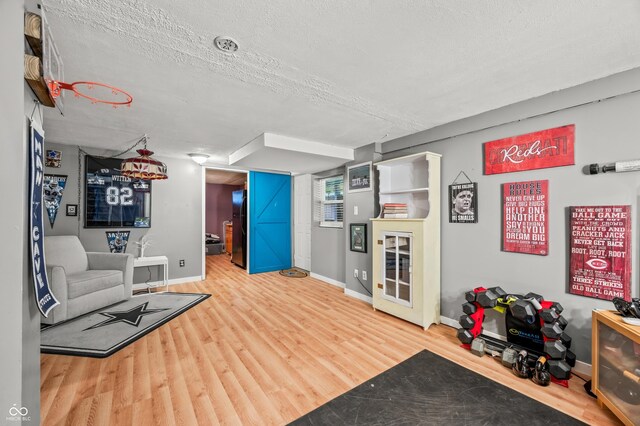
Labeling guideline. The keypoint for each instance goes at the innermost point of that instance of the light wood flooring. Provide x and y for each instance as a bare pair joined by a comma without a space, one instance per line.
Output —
263,349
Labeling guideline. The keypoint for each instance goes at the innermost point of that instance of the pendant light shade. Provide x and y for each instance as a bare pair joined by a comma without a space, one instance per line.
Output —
144,167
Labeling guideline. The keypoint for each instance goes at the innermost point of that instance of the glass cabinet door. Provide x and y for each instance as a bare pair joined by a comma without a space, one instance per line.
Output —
398,267
619,370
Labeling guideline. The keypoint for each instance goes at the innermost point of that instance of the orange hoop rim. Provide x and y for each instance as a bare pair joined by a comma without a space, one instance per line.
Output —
56,86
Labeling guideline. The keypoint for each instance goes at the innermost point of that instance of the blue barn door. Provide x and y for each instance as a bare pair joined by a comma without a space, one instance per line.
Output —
269,222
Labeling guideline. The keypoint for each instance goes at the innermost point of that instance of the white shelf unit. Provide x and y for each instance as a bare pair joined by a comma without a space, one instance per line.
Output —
413,294
407,180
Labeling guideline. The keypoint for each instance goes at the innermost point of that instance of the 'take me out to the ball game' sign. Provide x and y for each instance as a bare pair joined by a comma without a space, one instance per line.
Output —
538,150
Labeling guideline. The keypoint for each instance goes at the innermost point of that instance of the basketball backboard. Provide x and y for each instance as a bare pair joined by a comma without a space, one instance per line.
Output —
52,66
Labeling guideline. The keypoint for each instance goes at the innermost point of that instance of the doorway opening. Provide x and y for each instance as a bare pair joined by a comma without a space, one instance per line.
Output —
225,216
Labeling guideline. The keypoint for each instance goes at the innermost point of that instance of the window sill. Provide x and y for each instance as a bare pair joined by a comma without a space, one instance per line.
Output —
331,225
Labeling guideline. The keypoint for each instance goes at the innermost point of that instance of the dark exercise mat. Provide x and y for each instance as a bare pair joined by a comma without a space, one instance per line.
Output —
427,389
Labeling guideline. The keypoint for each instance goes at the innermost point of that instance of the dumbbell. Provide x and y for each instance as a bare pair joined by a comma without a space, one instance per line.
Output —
534,296
524,310
470,296
570,357
565,339
552,330
479,347
547,316
469,308
488,298
508,357
559,369
498,291
562,322
465,336
552,313
555,349
467,322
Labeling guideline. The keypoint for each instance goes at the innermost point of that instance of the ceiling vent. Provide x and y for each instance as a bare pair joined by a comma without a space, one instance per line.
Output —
226,44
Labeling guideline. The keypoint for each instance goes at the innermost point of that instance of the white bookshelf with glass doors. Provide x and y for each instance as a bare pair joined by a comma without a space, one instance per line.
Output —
406,239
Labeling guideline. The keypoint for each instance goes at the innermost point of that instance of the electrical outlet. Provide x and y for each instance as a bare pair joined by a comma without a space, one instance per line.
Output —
355,273
364,275
181,263
355,210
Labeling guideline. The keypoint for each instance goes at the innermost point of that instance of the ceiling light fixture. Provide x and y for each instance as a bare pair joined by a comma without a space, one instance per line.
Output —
144,167
199,158
226,44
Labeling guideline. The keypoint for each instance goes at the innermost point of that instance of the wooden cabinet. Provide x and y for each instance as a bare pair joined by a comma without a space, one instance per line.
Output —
616,365
228,238
406,251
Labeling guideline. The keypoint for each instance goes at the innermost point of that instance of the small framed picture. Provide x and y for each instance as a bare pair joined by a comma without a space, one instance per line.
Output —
53,158
359,177
463,203
358,232
72,210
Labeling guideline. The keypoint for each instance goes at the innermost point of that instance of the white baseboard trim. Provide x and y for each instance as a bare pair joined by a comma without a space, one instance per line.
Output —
580,368
358,296
139,286
450,322
185,280
328,280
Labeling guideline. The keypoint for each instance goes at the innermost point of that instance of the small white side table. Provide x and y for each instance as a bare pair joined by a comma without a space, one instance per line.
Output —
154,261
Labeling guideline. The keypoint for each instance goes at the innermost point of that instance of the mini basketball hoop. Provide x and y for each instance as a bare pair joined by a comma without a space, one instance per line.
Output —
103,92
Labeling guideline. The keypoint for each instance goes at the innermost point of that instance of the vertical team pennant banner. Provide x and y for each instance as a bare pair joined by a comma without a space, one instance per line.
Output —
53,189
525,227
117,241
44,298
600,252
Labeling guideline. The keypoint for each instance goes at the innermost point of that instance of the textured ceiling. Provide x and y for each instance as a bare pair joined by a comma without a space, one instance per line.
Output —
345,73
225,177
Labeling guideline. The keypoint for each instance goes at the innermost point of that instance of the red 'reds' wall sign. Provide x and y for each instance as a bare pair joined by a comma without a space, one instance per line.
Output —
600,252
538,150
525,217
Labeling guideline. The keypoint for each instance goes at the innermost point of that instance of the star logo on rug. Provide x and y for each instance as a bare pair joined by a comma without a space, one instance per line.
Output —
132,317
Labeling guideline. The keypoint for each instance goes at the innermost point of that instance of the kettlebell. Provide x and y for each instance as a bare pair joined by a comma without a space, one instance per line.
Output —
541,374
520,367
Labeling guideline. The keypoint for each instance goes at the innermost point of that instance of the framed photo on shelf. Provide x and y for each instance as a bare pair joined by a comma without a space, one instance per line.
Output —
358,232
359,177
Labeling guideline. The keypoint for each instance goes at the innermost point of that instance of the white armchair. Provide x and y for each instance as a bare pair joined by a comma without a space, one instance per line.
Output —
83,282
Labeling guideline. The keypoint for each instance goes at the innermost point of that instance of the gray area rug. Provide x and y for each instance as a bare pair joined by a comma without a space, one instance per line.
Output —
427,389
103,332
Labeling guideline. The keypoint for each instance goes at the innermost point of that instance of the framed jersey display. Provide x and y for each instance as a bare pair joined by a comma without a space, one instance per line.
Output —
113,200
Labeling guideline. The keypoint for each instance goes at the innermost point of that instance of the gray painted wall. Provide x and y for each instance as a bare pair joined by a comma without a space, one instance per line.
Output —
176,215
327,244
605,131
20,355
367,203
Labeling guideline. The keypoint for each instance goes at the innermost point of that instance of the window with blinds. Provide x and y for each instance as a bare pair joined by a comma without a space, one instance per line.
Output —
328,201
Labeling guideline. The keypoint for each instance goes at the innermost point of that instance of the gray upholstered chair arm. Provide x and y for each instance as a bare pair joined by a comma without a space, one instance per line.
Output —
58,285
115,261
